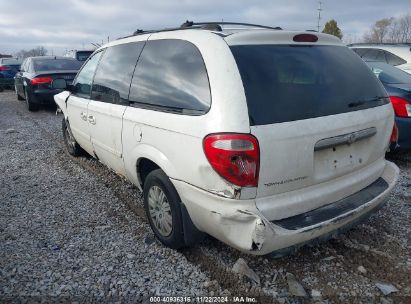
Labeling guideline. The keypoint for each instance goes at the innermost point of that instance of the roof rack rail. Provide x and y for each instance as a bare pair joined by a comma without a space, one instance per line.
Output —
381,43
211,26
142,32
189,24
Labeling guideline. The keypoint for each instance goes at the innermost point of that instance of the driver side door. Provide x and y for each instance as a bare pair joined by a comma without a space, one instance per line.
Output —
78,101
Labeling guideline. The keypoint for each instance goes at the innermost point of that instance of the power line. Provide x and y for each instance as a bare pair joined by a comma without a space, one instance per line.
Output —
319,15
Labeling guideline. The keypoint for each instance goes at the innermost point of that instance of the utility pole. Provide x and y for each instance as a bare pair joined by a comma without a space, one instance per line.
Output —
319,15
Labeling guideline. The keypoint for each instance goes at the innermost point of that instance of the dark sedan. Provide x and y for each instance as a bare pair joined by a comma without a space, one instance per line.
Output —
398,85
33,82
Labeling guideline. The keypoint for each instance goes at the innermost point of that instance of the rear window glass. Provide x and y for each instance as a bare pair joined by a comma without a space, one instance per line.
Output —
287,82
56,64
11,61
83,55
393,59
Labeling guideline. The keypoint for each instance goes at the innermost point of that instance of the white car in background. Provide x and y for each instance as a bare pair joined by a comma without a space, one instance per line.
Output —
80,55
398,55
259,137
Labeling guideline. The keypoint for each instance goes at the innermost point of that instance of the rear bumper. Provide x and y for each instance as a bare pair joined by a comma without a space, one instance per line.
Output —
44,96
404,129
7,74
241,225
6,81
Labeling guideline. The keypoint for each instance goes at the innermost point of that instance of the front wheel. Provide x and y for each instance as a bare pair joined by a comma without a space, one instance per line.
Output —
70,142
162,206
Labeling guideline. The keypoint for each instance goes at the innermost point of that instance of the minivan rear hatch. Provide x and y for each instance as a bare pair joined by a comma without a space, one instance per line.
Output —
317,111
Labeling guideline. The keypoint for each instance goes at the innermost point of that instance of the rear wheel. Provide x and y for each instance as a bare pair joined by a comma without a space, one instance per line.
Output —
29,102
71,144
162,206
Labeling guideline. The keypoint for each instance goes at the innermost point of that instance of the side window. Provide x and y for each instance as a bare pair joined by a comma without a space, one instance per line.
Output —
29,66
26,65
23,65
171,76
84,79
113,76
394,59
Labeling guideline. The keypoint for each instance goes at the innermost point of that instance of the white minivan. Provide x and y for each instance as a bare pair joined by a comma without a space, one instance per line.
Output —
263,138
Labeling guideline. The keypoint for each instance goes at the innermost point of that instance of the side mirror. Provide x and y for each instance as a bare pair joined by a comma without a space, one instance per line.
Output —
59,84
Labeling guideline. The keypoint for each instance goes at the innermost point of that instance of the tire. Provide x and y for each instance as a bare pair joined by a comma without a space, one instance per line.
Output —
17,94
71,144
30,105
158,183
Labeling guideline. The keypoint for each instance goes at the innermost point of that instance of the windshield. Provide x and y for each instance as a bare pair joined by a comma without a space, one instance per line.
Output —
56,64
389,74
288,82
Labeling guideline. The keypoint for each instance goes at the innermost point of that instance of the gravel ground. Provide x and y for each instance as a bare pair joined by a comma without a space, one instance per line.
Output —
70,228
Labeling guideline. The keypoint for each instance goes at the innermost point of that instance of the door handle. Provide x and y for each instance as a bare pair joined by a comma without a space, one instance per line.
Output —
91,119
83,116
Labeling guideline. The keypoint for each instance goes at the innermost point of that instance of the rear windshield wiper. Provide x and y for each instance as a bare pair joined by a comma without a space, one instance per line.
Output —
362,102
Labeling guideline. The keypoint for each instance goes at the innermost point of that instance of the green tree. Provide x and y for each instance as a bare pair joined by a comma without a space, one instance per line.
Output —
332,28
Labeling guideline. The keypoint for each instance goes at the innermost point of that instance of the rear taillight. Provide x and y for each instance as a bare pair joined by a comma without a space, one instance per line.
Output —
41,80
394,134
235,157
402,107
4,68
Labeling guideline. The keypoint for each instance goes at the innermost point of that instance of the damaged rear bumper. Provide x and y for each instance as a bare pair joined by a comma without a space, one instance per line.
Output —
241,225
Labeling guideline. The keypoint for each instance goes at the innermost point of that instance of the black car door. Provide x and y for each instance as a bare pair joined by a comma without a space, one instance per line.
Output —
26,76
21,77
18,82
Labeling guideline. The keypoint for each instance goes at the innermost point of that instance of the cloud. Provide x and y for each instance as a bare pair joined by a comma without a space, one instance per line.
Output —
69,24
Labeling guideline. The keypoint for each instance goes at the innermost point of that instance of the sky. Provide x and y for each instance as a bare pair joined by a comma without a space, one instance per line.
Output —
61,25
